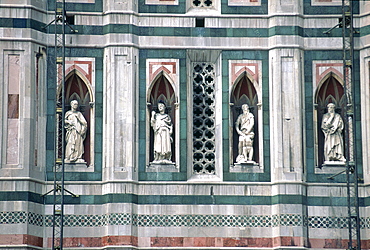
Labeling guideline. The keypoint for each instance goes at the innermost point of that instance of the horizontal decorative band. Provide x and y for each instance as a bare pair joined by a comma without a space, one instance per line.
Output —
182,242
140,220
180,199
182,31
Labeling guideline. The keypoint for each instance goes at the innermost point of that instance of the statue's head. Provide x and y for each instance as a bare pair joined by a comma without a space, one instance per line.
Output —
245,108
74,104
331,107
161,106
74,101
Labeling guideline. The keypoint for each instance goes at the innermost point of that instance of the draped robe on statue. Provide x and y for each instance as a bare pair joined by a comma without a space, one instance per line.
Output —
76,127
332,126
162,127
246,136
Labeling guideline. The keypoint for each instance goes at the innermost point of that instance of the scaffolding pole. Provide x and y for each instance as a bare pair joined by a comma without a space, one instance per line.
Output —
351,168
59,53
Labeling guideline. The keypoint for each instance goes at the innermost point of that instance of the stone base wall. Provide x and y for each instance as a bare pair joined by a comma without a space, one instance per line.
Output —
184,216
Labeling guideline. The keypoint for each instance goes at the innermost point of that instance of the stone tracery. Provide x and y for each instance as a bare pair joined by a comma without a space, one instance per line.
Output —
203,118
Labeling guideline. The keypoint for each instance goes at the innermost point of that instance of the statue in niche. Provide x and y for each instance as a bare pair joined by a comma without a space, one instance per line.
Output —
244,127
162,126
332,127
76,127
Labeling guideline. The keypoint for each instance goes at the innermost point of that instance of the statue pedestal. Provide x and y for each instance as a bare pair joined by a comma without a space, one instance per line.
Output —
162,167
78,166
331,167
246,167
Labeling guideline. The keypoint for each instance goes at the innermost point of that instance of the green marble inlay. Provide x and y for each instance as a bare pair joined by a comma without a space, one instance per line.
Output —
181,220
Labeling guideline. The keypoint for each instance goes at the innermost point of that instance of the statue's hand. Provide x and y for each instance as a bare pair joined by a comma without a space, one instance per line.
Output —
153,113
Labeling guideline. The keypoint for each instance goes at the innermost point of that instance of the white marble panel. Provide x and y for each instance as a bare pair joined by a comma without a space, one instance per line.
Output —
324,233
326,3
80,1
158,21
120,137
286,114
223,232
289,208
285,6
323,43
288,189
327,211
244,3
242,22
13,229
124,133
162,2
247,210
120,230
9,206
120,6
365,109
327,191
83,232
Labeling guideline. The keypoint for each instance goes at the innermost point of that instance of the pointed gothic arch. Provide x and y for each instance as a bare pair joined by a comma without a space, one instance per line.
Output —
329,90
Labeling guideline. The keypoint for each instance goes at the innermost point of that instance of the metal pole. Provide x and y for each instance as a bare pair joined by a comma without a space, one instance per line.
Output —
351,168
59,51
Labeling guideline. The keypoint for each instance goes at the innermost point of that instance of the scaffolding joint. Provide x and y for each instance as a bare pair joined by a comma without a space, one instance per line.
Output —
59,11
59,60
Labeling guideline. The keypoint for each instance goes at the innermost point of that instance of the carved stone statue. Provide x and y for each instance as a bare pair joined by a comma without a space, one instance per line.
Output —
244,127
332,127
162,126
76,127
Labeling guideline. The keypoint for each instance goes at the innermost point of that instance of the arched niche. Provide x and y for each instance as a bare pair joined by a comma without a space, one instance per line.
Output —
161,90
330,90
244,92
77,87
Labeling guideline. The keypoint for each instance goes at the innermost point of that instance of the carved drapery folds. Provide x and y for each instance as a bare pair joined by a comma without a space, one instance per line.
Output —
76,126
332,126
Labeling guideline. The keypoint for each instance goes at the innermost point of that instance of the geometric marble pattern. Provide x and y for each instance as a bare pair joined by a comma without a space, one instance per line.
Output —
190,220
35,219
201,221
327,222
287,220
365,223
71,220
13,217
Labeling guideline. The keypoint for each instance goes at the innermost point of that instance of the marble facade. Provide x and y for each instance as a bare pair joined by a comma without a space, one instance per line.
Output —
272,54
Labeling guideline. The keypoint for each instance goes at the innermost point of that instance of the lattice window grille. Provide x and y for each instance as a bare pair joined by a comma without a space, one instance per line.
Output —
204,118
202,3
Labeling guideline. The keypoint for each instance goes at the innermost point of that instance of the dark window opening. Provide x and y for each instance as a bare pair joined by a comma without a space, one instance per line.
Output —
199,22
70,19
